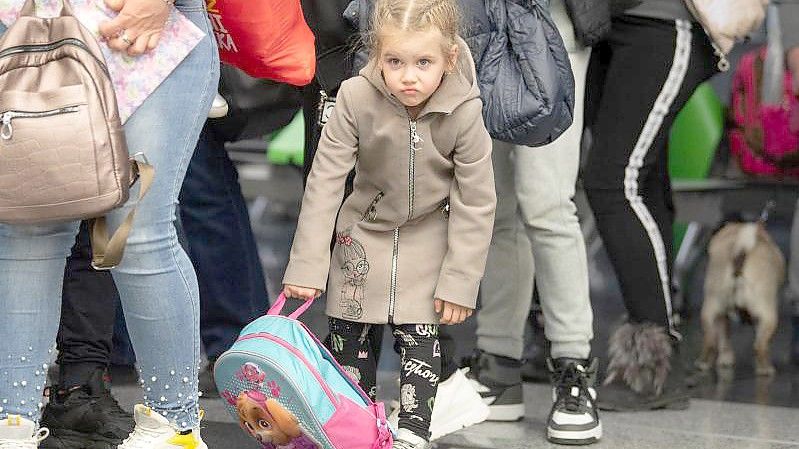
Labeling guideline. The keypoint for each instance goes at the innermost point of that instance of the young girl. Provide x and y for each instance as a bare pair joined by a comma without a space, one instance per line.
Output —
411,240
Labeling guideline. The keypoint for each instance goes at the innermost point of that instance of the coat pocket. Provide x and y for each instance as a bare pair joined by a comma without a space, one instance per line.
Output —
370,214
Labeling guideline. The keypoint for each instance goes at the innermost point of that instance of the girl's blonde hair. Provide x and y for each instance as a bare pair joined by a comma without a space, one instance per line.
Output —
414,15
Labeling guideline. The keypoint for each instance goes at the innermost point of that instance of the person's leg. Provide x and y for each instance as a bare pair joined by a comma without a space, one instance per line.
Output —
545,186
88,310
654,68
81,411
32,261
221,245
420,372
156,280
352,346
505,296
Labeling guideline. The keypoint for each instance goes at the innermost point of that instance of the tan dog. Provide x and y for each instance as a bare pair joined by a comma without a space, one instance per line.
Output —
745,273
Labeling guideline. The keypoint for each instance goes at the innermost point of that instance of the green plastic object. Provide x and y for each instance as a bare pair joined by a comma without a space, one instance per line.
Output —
694,138
286,146
695,135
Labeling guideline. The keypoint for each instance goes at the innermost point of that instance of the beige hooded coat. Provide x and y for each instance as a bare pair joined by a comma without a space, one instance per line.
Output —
418,223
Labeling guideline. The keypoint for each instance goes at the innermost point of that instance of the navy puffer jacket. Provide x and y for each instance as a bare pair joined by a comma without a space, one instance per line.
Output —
523,69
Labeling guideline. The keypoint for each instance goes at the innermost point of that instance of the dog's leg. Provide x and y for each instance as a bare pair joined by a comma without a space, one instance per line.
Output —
726,357
766,326
710,340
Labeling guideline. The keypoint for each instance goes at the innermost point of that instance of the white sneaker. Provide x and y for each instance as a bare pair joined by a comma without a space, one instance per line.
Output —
408,440
457,406
17,432
153,431
219,107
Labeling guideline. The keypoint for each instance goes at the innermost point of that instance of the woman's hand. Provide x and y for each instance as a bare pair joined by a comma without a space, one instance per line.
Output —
452,313
297,292
138,26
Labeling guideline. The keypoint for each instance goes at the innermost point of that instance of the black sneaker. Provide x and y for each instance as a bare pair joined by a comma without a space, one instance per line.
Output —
499,382
85,417
574,418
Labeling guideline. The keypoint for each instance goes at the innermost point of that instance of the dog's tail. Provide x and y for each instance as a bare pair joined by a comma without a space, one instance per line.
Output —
744,243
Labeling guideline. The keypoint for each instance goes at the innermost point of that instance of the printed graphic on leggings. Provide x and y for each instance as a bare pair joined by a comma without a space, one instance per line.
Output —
355,268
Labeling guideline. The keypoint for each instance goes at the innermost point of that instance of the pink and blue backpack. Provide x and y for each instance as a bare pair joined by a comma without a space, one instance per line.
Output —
288,392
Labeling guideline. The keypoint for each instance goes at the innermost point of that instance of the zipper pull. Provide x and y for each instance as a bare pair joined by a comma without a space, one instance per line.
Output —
7,130
416,139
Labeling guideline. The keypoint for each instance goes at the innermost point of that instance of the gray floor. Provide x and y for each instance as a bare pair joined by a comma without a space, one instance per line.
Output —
739,412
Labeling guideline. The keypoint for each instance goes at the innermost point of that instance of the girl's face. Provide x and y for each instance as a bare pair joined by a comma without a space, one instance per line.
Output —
413,64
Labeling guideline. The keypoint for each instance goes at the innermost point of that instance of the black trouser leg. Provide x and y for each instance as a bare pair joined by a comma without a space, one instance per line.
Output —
88,310
420,372
352,346
652,67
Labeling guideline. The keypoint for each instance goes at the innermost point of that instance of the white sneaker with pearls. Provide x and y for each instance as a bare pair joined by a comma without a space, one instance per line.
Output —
17,432
153,431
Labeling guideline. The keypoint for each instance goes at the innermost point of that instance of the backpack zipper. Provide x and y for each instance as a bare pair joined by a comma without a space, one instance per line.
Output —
7,130
52,46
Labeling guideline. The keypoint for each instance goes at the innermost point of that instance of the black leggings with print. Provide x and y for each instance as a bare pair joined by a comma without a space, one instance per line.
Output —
420,369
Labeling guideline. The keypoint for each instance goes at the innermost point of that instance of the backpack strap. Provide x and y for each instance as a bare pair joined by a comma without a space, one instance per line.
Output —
277,307
107,252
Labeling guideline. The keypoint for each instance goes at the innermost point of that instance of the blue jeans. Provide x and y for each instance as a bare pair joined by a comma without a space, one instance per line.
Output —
156,281
216,226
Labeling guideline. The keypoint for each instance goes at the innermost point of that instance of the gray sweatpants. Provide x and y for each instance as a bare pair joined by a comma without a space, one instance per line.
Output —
536,231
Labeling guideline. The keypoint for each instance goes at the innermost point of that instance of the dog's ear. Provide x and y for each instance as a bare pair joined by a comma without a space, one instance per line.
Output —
284,420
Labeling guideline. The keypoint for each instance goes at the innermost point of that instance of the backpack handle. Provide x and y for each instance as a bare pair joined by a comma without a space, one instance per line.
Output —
29,9
277,307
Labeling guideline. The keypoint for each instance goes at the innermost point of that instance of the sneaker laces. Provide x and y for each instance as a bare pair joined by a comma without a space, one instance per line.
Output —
573,376
32,442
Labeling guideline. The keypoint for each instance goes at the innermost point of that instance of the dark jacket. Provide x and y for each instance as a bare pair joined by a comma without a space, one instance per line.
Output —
591,18
334,41
523,69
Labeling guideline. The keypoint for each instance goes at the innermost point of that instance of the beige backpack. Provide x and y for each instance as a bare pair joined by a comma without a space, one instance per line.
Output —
63,154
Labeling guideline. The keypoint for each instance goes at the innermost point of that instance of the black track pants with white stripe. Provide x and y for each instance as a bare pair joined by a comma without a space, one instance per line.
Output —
638,80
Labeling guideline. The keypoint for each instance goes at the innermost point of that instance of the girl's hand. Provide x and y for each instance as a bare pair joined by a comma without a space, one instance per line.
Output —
297,292
452,313
138,26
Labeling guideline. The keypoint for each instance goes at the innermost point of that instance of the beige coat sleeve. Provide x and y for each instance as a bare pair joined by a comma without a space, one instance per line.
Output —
309,260
472,204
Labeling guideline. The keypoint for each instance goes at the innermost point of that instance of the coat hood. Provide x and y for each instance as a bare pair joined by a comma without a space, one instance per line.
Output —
455,89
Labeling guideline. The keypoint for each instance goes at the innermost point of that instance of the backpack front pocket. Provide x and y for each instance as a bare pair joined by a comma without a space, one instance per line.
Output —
43,160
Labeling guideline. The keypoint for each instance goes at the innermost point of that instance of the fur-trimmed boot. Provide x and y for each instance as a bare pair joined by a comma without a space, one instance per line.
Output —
645,371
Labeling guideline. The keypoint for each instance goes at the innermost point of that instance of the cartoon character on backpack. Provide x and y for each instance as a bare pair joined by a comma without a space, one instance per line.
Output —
270,423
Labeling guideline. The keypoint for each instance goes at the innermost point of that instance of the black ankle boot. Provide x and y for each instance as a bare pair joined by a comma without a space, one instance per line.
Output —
645,371
85,417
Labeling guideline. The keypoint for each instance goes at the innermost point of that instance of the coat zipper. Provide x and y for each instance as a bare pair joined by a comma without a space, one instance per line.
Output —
7,130
371,211
52,46
392,296
414,140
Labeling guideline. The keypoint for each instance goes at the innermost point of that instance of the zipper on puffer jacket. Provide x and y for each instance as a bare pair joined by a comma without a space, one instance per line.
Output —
392,295
7,130
52,46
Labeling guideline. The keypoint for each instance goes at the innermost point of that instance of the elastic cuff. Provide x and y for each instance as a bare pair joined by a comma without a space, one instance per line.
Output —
505,347
570,349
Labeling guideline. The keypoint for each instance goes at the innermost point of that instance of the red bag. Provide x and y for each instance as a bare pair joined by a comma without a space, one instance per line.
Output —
764,138
265,39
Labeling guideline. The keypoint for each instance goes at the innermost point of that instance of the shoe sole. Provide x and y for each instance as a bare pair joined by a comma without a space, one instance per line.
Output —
467,420
506,413
574,438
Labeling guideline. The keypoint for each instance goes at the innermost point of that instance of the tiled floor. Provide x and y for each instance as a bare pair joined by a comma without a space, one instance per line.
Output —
742,412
